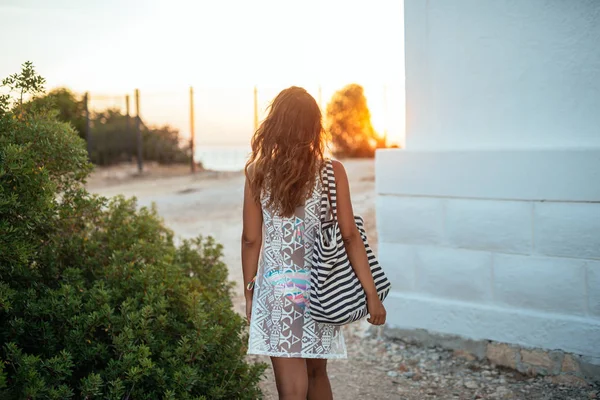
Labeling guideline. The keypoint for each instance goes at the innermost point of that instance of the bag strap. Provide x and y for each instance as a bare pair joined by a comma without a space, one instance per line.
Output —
329,191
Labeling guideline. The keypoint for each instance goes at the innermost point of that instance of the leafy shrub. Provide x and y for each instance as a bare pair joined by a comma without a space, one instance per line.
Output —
96,300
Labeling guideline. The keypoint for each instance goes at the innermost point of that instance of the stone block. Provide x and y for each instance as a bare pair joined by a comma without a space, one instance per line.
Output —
425,338
547,284
499,226
410,220
560,174
399,263
502,354
539,361
454,273
567,229
477,320
590,368
593,287
570,365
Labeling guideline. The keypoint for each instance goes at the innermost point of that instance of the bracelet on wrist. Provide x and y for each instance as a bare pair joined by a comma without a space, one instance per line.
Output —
250,285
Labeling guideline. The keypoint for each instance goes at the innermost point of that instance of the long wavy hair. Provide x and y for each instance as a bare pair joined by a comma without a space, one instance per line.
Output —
287,152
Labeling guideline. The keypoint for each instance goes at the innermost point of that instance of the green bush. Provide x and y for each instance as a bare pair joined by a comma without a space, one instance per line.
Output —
96,300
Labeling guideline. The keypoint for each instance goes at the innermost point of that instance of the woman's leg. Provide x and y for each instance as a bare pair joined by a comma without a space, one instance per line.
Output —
319,387
291,378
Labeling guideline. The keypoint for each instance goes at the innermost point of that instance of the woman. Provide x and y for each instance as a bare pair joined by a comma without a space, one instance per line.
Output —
282,194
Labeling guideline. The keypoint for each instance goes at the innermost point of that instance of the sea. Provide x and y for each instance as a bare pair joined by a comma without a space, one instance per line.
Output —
222,158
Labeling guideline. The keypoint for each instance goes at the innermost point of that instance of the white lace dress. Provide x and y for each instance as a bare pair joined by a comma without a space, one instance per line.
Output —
281,325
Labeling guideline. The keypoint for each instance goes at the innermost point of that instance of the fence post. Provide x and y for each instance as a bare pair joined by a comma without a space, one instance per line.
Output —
192,130
138,123
255,108
128,135
88,132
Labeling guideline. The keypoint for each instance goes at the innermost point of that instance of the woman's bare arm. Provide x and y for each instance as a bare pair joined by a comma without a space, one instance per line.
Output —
251,238
354,244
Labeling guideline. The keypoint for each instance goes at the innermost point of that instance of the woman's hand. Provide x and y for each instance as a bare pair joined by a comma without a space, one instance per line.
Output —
376,310
248,309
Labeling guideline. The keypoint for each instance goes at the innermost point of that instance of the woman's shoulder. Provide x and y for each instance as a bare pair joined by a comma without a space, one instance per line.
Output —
338,167
249,170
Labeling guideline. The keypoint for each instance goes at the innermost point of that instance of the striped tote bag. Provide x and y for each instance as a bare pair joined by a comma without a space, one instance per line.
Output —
336,295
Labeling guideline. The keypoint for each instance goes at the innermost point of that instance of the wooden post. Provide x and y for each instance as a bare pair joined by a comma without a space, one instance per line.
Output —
138,123
88,131
128,135
255,108
192,130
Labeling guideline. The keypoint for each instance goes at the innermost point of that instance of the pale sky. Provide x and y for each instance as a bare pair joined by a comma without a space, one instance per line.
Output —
221,47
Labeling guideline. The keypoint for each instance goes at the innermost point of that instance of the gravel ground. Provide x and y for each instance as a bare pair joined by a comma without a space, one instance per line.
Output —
379,368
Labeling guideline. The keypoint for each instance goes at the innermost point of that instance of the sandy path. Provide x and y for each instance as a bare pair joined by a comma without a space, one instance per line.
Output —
211,204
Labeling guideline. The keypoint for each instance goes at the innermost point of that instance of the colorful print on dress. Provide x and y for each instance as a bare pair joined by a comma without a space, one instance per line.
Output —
299,230
294,283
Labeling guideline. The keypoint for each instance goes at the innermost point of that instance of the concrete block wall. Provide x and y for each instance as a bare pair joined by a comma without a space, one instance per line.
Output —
489,220
499,264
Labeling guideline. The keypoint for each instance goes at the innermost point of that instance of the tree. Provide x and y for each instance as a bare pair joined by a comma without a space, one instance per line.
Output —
25,83
349,123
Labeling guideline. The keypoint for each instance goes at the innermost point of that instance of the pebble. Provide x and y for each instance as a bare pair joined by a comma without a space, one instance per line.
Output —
417,377
397,358
393,374
471,385
502,390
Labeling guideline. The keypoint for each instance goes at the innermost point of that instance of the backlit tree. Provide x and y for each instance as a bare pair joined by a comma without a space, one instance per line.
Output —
349,123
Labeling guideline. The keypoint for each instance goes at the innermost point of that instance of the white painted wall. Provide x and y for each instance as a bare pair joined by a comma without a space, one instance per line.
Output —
489,220
502,74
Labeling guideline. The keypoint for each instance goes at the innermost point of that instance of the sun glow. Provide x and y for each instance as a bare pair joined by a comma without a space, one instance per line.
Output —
385,102
223,49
